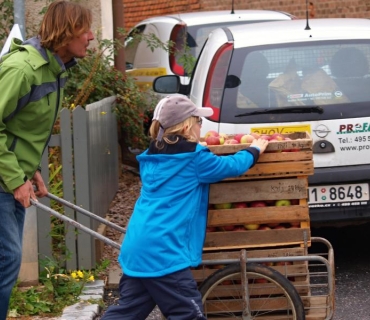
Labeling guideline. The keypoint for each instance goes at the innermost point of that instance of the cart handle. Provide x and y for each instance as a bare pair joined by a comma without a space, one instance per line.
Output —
76,224
85,212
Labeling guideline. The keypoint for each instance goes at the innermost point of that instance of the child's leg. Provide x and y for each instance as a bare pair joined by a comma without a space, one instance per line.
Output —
176,295
135,302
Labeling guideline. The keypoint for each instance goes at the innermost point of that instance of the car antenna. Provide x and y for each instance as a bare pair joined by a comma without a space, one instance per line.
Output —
232,7
307,25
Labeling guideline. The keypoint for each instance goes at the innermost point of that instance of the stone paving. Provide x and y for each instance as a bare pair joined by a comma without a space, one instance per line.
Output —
85,310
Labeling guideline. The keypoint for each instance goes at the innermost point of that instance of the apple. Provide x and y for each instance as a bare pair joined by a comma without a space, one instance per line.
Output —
260,280
239,205
255,204
238,136
223,205
277,136
213,140
239,228
294,202
264,227
295,224
211,133
231,141
273,225
211,229
255,135
223,137
247,138
251,226
227,228
282,203
265,137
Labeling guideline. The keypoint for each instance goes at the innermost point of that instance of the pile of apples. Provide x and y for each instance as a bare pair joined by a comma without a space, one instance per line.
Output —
255,226
213,138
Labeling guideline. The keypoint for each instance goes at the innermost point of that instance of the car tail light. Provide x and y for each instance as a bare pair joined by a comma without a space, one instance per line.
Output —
216,78
178,37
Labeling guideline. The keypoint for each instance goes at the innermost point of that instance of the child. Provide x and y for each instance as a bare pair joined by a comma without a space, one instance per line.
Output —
166,232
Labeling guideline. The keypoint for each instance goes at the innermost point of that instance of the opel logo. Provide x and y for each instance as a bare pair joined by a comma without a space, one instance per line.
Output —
321,131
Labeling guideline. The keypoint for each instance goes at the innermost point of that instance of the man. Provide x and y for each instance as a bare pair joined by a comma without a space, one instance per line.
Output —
32,79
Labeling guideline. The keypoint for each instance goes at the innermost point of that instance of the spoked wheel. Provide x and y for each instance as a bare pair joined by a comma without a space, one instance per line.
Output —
271,296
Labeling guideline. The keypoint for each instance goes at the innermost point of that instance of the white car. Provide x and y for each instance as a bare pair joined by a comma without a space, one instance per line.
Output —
295,76
145,64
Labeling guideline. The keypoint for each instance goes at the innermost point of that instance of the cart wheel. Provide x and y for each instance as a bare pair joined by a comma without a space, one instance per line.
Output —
270,294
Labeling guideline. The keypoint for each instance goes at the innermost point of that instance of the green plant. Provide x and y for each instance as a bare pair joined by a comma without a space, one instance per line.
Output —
58,288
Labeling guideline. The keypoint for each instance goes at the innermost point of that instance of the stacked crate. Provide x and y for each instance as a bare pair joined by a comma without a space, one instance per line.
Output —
281,173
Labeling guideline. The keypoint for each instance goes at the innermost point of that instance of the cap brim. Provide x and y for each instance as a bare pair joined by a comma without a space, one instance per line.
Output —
203,112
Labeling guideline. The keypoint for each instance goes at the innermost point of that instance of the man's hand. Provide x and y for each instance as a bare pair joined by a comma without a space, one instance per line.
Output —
24,193
37,180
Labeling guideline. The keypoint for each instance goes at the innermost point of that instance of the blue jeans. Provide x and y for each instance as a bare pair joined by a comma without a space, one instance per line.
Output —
12,215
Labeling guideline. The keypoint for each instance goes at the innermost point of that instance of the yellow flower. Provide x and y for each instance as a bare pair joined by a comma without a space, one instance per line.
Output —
103,113
73,106
91,278
74,275
80,274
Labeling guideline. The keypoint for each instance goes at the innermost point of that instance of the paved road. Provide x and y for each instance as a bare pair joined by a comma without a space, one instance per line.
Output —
352,265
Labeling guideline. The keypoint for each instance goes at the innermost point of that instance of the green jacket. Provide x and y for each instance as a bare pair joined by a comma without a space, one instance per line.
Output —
32,82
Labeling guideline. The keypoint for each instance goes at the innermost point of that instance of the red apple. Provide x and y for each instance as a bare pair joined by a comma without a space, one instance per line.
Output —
255,135
211,133
294,202
260,280
251,226
223,205
282,203
239,205
239,228
231,141
227,228
211,229
266,137
295,224
247,138
238,136
273,225
277,136
255,204
213,141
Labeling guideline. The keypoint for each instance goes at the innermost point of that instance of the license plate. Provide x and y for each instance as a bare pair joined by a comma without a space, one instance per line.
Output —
338,195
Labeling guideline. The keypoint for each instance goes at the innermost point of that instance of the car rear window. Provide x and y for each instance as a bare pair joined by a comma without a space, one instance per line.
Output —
194,36
331,74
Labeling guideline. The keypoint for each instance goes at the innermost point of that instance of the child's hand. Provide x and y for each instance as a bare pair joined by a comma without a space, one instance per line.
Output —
260,143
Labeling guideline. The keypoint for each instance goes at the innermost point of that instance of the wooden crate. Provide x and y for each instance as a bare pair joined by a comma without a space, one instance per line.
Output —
282,158
259,190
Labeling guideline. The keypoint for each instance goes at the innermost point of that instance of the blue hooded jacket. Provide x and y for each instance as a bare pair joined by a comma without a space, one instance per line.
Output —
167,229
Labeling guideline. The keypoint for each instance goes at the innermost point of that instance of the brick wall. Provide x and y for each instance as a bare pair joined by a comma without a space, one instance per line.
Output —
137,10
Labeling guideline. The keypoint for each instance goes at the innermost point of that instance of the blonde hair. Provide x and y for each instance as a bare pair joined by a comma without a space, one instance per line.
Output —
176,130
63,21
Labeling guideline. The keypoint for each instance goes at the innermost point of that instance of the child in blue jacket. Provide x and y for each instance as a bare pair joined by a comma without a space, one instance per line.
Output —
166,232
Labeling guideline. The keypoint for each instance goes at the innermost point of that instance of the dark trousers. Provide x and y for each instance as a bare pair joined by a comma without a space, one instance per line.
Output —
176,295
